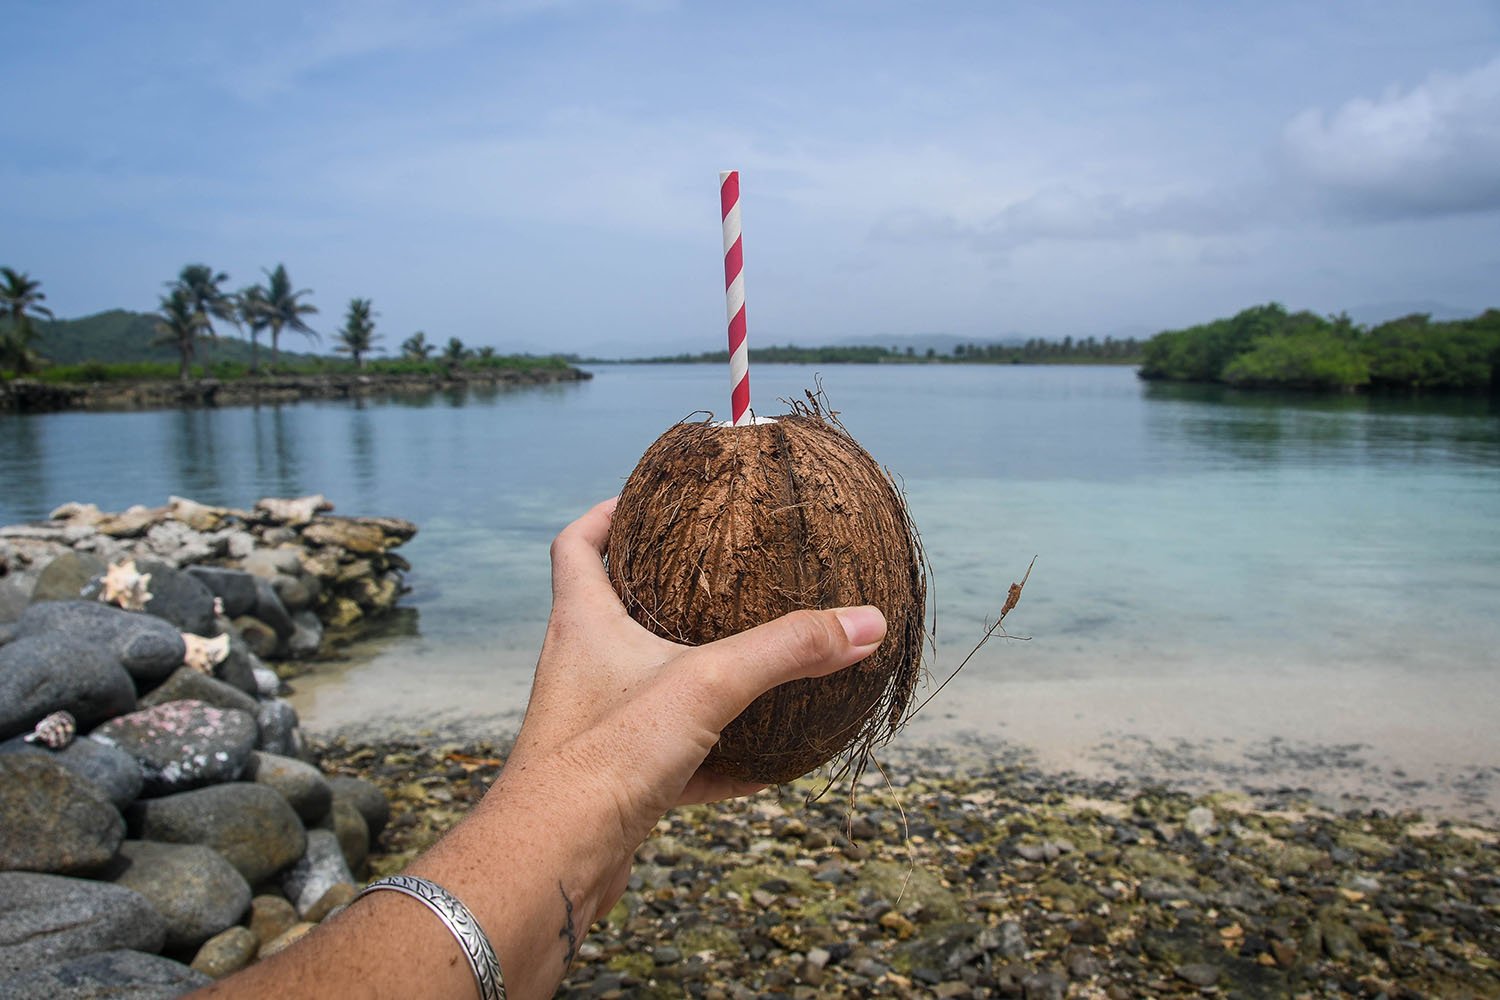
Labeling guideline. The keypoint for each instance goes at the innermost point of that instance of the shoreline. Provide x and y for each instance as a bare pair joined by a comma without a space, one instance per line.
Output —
30,396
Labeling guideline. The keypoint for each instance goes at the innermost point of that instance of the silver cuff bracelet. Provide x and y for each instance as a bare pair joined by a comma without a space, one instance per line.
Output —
457,918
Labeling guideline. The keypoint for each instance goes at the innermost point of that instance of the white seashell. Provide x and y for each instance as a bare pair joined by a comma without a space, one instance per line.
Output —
125,586
202,653
56,731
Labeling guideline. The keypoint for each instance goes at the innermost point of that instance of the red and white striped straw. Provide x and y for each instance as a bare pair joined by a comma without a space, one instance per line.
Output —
734,298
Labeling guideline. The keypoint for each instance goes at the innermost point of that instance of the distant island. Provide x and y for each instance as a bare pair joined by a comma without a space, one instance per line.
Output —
1269,347
1036,351
176,357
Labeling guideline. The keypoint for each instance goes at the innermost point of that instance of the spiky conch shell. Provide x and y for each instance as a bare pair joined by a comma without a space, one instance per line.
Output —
722,528
56,730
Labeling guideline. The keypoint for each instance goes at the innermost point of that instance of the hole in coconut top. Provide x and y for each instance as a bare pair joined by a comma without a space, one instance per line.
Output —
752,420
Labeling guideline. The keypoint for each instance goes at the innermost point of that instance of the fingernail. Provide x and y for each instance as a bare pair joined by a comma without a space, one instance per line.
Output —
864,626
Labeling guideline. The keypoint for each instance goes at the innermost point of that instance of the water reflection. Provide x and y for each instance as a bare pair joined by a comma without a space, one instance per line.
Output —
192,447
362,446
23,471
275,444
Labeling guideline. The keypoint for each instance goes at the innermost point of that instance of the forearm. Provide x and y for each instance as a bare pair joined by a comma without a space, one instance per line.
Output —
533,885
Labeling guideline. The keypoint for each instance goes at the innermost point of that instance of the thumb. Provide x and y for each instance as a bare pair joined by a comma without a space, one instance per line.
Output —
726,676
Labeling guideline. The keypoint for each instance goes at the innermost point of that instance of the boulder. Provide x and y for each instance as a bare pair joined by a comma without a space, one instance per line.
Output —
271,917
267,564
295,595
267,683
300,783
187,684
227,952
180,598
130,523
307,638
348,824
256,636
55,821
50,918
251,825
355,536
197,892
178,544
70,577
293,510
238,668
42,674
15,594
199,517
147,647
183,744
269,609
278,728
234,587
119,975
317,871
115,772
366,797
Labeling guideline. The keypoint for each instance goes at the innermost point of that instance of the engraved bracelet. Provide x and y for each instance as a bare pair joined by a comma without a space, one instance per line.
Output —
457,918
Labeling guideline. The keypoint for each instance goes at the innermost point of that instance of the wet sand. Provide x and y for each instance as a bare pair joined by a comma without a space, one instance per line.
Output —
1391,740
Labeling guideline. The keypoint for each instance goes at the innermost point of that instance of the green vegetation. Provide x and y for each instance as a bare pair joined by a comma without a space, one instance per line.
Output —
175,341
1268,346
1088,350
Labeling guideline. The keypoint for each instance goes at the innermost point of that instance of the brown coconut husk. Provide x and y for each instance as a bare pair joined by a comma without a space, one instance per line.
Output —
722,528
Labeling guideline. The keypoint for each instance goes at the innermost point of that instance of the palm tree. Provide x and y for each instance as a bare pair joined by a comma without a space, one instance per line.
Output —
284,312
180,323
358,336
455,351
19,296
416,347
253,311
201,283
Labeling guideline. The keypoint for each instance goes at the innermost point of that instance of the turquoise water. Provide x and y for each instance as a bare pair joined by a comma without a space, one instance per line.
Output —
1180,532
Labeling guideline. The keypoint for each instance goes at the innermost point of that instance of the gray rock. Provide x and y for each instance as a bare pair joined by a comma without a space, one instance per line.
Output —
307,637
317,871
1200,821
302,785
50,918
269,609
268,563
295,595
238,668
15,594
251,825
235,587
69,577
267,683
1198,973
179,545
183,744
118,975
1012,940
354,834
115,772
278,724
197,892
181,599
147,647
42,674
187,684
367,798
55,821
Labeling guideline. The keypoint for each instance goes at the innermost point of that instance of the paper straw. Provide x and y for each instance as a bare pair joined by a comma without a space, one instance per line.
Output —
734,298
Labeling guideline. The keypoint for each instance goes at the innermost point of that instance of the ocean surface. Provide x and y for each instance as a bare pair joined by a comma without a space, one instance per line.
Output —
1214,569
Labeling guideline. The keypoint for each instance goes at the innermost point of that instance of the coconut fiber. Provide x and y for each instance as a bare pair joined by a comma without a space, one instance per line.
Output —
723,528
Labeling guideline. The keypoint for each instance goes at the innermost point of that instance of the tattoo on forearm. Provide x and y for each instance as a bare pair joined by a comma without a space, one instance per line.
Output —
568,932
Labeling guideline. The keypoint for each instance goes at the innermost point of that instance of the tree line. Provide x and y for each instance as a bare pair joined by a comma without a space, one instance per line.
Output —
1088,350
195,300
1267,346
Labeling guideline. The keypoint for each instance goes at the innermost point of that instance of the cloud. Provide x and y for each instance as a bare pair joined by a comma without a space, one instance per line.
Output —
1433,150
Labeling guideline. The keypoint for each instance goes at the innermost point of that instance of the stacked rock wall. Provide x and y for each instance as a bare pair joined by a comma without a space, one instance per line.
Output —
164,821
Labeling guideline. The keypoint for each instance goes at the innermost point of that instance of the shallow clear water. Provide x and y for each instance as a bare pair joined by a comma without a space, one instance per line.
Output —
1182,533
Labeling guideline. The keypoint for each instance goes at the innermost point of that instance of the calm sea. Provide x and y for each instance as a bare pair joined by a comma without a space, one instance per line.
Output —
1180,533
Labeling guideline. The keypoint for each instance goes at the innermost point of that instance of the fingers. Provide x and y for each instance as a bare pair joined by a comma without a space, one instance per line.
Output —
726,676
577,556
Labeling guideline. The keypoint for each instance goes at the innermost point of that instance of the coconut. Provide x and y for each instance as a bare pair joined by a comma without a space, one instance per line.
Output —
722,528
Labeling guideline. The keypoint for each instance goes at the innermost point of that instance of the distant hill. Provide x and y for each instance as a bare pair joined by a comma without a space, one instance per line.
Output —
123,336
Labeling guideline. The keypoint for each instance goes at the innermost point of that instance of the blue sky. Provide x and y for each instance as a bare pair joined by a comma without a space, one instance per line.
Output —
542,175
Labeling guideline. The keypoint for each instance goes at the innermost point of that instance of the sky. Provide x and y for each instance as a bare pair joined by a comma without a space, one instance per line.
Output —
541,175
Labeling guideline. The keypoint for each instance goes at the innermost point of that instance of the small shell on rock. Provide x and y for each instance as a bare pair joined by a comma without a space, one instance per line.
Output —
204,653
125,586
56,731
